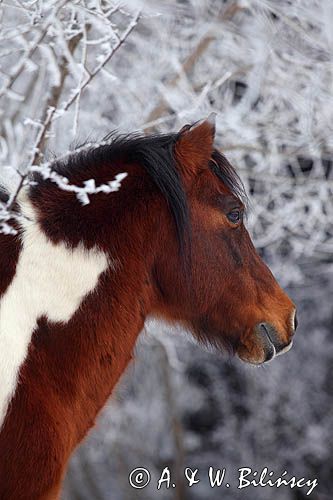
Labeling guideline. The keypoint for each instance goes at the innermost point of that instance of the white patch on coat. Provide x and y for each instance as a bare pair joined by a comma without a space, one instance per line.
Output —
51,280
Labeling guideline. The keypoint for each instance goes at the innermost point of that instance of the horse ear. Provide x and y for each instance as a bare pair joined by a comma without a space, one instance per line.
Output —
194,146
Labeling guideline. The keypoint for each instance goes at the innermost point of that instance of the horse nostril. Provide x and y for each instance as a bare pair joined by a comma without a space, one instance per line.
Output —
271,341
295,322
268,330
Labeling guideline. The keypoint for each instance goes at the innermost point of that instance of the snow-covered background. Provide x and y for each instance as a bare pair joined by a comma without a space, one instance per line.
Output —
75,70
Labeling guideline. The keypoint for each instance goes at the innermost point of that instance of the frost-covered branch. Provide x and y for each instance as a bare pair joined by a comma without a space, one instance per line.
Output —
52,103
82,193
76,93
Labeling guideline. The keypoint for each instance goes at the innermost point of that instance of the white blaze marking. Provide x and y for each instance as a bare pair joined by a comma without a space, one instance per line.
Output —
50,280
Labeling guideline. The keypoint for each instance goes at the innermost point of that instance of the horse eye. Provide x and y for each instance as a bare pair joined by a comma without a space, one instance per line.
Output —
234,216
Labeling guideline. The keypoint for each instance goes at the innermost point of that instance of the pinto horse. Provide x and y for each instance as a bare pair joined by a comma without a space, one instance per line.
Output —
77,283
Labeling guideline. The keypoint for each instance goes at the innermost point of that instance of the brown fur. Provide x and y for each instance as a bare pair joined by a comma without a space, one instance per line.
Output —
72,369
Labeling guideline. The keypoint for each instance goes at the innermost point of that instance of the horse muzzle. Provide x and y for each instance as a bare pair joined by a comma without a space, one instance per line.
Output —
265,344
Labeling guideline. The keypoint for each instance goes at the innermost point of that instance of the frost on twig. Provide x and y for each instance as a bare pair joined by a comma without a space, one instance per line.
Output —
82,193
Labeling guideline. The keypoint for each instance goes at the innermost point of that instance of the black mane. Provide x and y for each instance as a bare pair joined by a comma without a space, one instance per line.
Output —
157,156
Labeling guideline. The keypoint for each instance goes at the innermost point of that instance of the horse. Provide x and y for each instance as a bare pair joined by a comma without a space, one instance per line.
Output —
79,280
